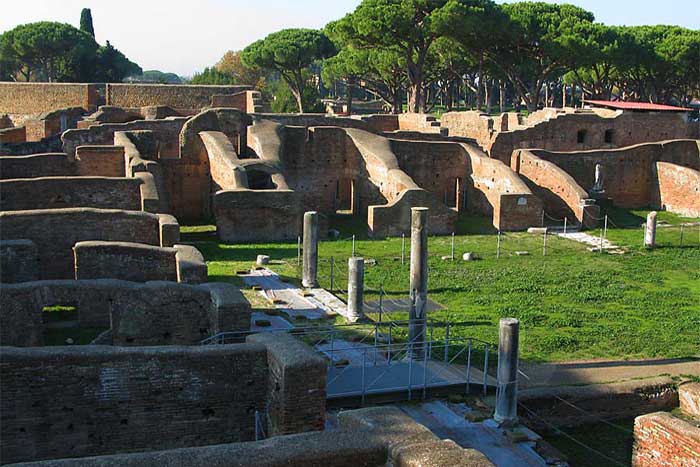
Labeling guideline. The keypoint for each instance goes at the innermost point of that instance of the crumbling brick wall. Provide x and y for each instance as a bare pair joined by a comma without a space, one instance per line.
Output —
171,95
678,189
36,165
19,261
37,98
70,192
154,313
56,231
89,400
296,397
662,440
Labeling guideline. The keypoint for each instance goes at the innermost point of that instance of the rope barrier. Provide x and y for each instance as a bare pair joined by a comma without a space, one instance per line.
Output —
568,436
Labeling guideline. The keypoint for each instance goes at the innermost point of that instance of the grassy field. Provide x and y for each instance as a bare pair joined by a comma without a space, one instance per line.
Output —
573,304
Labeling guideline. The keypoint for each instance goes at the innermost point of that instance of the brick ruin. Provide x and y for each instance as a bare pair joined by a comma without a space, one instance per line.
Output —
94,180
662,439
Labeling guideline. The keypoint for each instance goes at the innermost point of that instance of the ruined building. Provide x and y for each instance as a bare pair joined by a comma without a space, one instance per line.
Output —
94,180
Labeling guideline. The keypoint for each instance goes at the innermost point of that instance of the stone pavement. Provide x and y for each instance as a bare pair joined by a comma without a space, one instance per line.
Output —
485,436
594,242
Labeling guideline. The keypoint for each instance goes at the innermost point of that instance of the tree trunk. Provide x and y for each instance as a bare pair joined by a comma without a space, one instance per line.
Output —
501,96
348,97
479,95
489,95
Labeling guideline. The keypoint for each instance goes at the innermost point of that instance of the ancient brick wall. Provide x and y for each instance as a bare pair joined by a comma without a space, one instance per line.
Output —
171,95
662,440
70,192
571,131
367,437
166,132
561,195
19,261
143,313
296,387
628,173
434,166
470,124
103,161
36,98
678,189
13,135
257,215
122,260
56,231
36,165
47,145
127,399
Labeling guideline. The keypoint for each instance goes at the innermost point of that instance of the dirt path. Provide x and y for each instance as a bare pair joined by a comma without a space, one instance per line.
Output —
538,380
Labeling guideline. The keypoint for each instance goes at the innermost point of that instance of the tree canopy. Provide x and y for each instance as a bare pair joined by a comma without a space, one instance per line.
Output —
49,51
86,22
289,52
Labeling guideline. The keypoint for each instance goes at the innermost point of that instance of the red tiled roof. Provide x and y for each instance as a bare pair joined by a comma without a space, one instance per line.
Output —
637,106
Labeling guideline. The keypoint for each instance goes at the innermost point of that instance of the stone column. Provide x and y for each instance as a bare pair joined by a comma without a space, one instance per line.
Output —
356,285
310,246
507,394
419,279
650,231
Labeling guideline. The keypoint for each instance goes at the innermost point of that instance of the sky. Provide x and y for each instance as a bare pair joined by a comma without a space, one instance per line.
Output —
185,36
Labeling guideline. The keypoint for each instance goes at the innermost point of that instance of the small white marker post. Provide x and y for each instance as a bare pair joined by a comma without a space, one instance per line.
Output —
544,243
605,227
564,225
453,246
353,246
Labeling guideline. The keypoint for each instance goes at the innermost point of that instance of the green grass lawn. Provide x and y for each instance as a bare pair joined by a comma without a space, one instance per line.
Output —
573,304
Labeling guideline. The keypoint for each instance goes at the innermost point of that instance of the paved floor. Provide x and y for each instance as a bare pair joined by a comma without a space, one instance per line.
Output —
583,237
286,297
486,436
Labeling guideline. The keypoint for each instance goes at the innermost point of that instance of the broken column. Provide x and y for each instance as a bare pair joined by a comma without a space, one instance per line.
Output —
310,246
356,285
419,279
650,231
507,394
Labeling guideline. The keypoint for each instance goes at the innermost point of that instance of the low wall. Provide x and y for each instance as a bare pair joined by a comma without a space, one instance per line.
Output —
13,135
56,231
123,260
371,437
52,123
36,98
662,440
105,161
98,400
19,261
257,215
70,192
296,387
138,262
154,313
394,218
37,165
561,195
166,132
172,95
678,189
